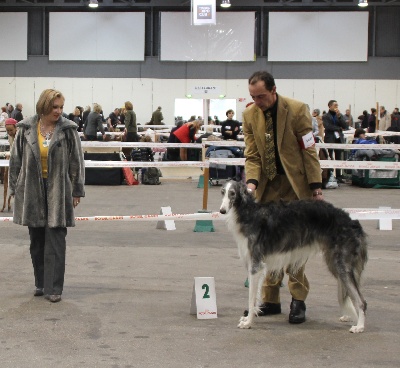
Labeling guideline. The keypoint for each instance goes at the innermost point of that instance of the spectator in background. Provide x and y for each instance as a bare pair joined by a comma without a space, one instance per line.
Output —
385,121
17,113
10,109
3,118
395,118
94,123
318,126
76,118
364,118
86,113
114,118
156,117
334,125
186,134
230,128
372,121
130,123
348,118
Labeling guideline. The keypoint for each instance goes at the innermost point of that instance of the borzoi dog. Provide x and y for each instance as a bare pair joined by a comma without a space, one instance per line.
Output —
277,235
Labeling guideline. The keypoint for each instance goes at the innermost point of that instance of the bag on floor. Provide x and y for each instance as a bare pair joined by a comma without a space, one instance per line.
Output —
151,176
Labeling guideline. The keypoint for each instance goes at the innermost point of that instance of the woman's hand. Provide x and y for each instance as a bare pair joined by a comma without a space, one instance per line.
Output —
76,201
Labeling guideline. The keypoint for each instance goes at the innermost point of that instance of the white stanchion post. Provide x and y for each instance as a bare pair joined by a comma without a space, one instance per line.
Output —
204,299
385,223
166,224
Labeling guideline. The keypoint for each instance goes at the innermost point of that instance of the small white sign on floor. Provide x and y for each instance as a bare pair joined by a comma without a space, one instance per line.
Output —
166,224
204,299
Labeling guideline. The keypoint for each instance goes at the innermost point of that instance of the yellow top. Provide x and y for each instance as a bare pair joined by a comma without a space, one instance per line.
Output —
44,151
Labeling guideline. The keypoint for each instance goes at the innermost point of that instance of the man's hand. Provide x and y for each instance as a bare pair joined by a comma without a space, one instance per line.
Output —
317,195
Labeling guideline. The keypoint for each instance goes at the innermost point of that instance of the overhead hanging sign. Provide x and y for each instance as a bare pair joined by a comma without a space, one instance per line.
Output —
203,12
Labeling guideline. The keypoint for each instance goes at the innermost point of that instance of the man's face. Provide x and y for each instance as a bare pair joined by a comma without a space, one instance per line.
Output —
230,115
334,106
19,107
347,112
396,111
263,98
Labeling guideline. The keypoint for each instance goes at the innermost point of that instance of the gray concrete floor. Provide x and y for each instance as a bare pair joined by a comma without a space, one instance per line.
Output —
128,290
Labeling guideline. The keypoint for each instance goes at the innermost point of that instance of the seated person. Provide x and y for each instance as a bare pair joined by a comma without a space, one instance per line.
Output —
361,138
209,131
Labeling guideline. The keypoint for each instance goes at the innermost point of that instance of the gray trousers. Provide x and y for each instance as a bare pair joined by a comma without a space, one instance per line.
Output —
47,249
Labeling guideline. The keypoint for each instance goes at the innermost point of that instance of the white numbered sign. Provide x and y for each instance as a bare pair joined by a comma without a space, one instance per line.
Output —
204,300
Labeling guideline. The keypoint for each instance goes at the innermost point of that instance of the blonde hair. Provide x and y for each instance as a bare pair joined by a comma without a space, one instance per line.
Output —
97,108
195,124
44,105
128,105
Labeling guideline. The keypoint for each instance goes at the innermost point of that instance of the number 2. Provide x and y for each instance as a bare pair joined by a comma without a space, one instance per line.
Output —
206,295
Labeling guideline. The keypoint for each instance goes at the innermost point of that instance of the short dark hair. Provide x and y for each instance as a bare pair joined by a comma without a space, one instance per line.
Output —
228,111
264,76
358,132
331,102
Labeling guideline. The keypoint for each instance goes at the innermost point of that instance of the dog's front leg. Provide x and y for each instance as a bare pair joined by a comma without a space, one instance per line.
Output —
246,322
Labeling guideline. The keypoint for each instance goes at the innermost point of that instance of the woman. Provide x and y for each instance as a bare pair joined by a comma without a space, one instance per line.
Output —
94,123
46,176
187,134
130,132
130,123
76,118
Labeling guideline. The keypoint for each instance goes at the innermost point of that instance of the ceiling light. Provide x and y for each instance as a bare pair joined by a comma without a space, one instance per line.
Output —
363,3
93,4
225,3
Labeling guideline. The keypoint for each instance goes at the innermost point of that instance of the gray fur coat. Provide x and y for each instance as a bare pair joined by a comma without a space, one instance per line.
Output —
66,175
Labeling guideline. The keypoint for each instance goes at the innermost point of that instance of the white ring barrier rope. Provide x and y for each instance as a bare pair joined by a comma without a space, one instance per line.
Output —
325,164
355,214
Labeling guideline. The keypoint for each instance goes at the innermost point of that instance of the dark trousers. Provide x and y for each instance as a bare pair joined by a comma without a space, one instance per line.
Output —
338,156
47,249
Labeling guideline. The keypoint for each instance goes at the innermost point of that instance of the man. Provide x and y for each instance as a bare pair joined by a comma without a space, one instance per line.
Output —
372,121
17,113
395,118
318,126
157,117
348,118
114,118
281,164
334,125
385,121
230,128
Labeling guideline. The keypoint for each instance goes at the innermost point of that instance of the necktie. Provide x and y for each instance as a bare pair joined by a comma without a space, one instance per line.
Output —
270,146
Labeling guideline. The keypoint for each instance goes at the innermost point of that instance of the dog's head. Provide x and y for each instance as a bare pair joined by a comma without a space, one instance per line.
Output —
234,194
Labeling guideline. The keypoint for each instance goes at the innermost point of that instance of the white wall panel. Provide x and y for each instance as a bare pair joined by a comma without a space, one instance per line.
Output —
318,36
94,36
231,39
14,36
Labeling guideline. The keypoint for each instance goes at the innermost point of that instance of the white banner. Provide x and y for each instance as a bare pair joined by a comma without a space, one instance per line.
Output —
203,12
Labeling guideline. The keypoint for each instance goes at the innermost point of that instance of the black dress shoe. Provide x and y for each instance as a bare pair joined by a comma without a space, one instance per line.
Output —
297,311
266,309
38,292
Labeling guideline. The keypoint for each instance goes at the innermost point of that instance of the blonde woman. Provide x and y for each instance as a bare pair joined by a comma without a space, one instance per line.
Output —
187,134
46,177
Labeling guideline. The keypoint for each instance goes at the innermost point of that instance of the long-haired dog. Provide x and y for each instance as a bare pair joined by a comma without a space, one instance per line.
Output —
277,235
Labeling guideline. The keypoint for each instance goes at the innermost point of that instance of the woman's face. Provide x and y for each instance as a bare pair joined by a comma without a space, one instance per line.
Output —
58,106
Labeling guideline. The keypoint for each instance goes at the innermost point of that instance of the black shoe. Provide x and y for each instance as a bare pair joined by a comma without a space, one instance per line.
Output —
266,309
53,298
297,311
38,292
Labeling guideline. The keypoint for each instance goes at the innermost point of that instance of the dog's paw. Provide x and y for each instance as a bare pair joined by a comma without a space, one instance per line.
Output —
356,329
345,319
244,323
